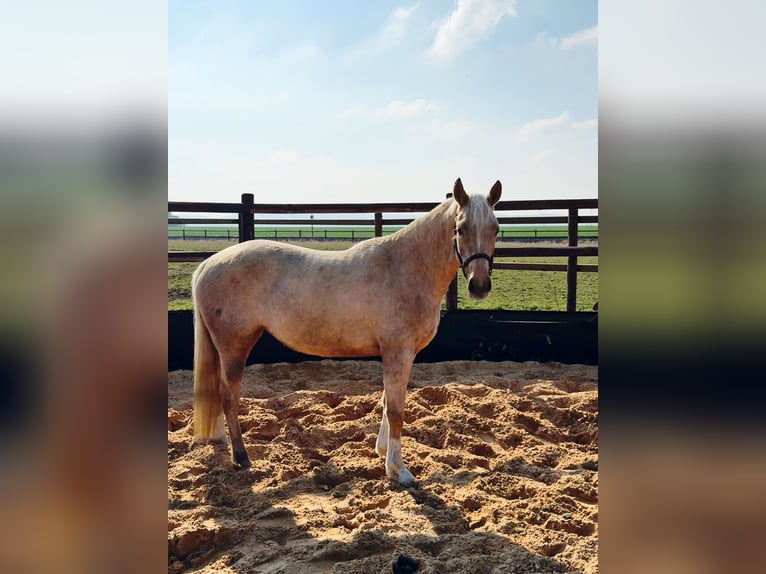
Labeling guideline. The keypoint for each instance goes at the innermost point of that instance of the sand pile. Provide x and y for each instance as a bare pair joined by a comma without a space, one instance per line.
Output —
506,455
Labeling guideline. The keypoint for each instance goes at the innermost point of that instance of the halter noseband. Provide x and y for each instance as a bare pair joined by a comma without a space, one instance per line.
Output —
464,263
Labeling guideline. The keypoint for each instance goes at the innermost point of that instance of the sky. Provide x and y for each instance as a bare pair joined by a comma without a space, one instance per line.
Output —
348,101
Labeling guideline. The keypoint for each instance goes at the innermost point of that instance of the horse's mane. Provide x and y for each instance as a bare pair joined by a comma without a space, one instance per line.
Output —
479,210
425,223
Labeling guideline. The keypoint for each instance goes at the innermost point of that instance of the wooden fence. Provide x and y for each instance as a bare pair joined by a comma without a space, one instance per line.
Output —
247,209
353,234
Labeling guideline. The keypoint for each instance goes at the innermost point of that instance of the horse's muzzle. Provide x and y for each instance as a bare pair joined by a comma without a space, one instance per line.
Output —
478,289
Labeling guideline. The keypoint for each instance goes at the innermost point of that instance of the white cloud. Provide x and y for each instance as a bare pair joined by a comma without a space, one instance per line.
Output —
396,109
586,124
470,22
586,37
556,124
541,156
395,26
451,130
289,175
537,127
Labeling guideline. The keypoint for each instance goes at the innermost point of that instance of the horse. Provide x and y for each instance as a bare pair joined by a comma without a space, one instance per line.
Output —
380,297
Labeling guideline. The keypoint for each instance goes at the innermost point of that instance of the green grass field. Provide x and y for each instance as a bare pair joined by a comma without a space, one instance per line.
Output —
512,290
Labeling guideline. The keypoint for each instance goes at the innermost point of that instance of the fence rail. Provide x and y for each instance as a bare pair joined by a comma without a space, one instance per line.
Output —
371,222
324,234
247,209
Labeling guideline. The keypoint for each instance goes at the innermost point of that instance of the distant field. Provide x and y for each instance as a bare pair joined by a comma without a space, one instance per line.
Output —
359,232
517,290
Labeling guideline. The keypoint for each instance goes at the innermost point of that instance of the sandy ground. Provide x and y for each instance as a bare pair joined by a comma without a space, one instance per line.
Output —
506,455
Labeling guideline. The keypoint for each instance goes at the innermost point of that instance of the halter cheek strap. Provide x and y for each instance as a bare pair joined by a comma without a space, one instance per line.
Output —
464,262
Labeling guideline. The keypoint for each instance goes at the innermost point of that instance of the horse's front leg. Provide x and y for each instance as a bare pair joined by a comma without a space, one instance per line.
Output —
396,373
381,445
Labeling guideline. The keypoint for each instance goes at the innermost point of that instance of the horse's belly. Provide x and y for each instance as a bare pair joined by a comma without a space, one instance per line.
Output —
328,341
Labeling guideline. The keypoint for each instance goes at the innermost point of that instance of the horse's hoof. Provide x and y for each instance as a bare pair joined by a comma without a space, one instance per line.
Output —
406,479
242,462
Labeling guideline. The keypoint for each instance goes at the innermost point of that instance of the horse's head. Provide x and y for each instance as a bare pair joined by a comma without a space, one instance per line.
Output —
475,231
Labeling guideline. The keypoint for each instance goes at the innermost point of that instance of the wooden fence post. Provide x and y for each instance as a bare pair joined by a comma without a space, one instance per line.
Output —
378,224
246,219
452,289
572,261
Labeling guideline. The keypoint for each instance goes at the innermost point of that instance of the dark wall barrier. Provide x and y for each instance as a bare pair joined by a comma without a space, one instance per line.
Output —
462,335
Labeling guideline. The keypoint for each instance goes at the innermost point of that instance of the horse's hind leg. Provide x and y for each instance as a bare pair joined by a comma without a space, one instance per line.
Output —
232,371
232,379
396,373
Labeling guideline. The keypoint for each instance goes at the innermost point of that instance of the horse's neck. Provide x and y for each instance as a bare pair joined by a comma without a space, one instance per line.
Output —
428,242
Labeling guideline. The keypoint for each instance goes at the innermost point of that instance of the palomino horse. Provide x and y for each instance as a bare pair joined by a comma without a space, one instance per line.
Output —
381,297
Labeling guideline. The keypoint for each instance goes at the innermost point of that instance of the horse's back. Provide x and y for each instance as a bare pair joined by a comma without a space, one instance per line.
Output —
317,302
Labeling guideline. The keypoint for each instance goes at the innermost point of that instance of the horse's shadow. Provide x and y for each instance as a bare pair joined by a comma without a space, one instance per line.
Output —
237,528
261,532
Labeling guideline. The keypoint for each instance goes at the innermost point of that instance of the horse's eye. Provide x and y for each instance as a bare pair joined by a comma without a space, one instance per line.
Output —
459,231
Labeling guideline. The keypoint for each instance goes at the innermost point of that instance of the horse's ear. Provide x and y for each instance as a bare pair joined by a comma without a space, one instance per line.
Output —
459,193
494,193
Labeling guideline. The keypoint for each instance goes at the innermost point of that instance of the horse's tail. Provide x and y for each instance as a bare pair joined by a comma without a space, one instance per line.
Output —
208,408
